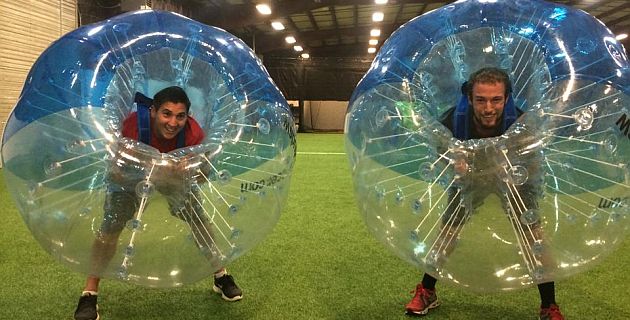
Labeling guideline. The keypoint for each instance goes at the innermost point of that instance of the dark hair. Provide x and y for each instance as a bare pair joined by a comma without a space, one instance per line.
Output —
173,94
488,75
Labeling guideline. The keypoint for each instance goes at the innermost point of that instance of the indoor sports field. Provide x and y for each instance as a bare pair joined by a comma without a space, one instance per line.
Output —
318,263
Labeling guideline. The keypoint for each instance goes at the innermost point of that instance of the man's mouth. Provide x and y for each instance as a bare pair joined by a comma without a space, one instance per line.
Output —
170,130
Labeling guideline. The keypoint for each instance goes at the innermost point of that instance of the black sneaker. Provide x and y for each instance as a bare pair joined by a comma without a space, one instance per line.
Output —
87,308
227,288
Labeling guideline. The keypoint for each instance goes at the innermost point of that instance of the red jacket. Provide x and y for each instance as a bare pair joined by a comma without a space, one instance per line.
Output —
193,133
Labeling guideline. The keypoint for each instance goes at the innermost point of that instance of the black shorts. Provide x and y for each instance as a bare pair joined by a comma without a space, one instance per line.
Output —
463,202
122,204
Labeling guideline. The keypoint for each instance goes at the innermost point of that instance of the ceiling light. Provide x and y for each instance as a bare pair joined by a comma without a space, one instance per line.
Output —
375,32
263,8
305,55
371,50
377,16
298,48
373,42
621,36
290,39
380,1
277,25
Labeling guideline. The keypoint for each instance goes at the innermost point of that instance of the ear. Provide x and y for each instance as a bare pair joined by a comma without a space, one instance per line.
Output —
153,112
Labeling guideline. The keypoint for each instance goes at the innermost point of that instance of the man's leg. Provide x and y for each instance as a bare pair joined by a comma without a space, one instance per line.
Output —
191,211
454,217
103,250
453,220
522,207
118,209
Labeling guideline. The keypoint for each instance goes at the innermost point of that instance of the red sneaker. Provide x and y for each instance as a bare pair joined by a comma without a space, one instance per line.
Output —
551,313
423,300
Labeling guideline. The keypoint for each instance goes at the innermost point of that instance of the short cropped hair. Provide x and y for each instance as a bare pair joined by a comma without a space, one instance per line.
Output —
488,75
173,94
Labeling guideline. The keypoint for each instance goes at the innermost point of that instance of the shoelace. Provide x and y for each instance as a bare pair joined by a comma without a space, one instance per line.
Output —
420,291
555,312
224,280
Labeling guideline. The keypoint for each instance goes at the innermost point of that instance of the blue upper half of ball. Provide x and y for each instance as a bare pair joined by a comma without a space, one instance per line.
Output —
76,70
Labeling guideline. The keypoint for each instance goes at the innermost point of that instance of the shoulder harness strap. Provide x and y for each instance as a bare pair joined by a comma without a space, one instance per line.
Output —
143,104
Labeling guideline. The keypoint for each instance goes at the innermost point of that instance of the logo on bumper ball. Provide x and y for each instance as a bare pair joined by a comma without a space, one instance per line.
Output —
624,125
262,183
616,202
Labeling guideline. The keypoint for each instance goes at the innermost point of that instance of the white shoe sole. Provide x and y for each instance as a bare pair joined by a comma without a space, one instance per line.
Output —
226,298
424,312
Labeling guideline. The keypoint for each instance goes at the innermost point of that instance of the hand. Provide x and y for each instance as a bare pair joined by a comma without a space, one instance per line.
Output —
169,174
460,166
459,161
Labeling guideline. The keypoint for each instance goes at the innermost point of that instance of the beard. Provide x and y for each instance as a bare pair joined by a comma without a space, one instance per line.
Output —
489,121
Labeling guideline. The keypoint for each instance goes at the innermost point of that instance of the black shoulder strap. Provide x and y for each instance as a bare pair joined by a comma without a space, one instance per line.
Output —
143,104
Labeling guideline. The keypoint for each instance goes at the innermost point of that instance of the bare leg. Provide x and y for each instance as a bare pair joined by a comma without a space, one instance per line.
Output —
453,221
202,232
103,250
522,209
193,213
119,208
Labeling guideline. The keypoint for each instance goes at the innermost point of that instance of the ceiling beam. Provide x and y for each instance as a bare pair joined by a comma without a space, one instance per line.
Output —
422,9
355,19
244,20
612,24
335,23
614,10
346,50
400,9
268,43
239,16
311,18
351,50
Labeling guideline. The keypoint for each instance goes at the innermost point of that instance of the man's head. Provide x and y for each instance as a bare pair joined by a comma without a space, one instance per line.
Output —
169,112
488,90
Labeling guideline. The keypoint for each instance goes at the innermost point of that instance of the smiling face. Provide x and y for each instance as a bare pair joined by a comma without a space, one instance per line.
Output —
488,101
168,120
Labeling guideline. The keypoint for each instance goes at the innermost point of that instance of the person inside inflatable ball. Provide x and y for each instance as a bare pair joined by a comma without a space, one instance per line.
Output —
486,110
163,123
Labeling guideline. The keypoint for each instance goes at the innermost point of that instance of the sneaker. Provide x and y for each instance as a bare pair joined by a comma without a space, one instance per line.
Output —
423,300
87,308
227,288
551,313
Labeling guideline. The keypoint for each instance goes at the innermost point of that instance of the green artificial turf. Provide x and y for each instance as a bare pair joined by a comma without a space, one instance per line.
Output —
318,263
